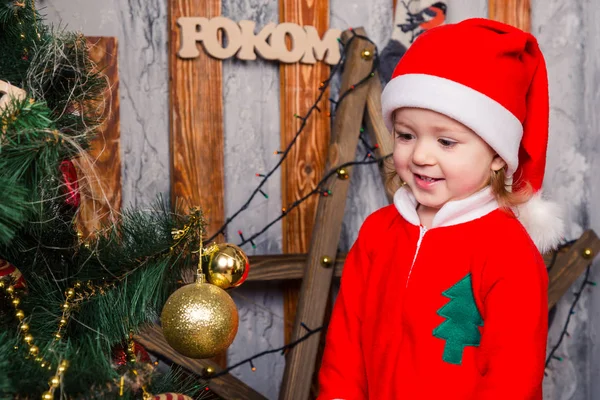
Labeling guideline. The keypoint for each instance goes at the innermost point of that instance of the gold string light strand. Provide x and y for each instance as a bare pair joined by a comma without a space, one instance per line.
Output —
27,337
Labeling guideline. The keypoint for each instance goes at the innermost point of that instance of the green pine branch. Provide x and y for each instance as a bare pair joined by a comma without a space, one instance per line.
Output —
123,276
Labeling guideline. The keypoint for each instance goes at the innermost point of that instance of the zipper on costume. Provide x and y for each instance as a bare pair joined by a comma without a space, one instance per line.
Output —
422,231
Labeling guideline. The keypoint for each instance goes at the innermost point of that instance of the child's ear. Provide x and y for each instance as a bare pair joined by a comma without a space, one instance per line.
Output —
498,163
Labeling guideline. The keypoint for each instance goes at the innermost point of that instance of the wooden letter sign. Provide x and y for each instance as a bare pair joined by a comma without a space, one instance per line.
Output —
269,43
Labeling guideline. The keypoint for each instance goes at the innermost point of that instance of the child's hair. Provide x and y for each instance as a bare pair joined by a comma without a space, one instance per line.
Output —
506,198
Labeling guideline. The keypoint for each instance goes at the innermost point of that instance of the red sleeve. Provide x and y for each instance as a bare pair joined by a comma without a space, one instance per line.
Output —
342,374
515,328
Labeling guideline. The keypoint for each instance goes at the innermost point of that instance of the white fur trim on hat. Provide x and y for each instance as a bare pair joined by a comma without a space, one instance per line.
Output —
484,115
543,220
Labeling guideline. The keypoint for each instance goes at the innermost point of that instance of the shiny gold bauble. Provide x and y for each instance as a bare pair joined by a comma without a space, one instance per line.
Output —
47,396
199,320
227,266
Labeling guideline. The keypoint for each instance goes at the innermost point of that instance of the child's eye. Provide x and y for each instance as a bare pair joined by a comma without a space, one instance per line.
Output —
446,142
404,136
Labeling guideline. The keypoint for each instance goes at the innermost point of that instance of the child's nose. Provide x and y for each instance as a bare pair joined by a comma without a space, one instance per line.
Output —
422,154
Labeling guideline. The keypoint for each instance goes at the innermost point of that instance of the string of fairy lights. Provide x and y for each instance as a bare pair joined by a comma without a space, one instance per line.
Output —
340,170
577,296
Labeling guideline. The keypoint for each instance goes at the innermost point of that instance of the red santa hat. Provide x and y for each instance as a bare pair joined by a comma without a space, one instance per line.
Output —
492,78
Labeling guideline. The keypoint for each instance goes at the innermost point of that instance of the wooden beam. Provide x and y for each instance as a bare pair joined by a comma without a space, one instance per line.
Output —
513,12
196,120
378,132
284,267
100,173
226,386
570,265
304,166
315,289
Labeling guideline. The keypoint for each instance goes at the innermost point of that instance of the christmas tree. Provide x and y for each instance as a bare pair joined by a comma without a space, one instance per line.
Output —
462,321
70,306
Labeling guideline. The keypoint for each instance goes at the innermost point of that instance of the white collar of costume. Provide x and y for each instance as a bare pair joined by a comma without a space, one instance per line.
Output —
452,213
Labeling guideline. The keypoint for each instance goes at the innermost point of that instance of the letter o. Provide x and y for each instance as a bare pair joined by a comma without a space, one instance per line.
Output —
298,42
211,40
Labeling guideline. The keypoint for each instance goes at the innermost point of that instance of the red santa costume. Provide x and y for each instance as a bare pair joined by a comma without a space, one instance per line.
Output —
458,310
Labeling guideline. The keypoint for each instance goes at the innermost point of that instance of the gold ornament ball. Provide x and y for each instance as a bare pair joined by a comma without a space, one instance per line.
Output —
47,396
54,381
199,320
227,267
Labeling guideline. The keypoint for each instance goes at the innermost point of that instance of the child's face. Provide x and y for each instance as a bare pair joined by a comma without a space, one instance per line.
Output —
439,158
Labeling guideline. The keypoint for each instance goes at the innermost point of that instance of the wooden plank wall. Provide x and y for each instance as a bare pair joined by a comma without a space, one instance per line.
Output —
196,119
513,12
196,122
100,173
306,162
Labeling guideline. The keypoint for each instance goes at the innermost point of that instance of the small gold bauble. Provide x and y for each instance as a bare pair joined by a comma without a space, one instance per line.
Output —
28,338
24,326
342,174
47,396
326,261
64,364
57,335
208,371
227,266
587,253
70,293
366,54
20,314
16,301
65,306
54,381
199,320
34,350
62,322
62,369
10,290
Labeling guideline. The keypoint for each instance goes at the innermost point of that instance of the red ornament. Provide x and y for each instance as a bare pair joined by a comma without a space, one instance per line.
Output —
7,268
69,174
120,356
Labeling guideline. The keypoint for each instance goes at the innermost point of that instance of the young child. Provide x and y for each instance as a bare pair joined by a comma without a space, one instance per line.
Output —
444,293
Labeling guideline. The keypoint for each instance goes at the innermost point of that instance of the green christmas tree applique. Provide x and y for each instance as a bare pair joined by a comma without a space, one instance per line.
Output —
462,321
